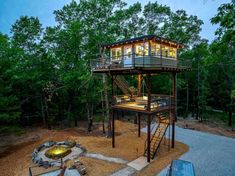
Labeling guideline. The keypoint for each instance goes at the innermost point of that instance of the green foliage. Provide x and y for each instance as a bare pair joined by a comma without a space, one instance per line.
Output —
233,94
12,129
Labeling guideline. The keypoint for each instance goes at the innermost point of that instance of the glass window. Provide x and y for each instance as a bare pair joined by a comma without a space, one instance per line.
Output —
172,52
127,51
158,49
165,51
141,49
155,49
116,53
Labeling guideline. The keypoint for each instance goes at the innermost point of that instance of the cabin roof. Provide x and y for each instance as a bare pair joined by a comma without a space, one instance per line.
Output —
142,38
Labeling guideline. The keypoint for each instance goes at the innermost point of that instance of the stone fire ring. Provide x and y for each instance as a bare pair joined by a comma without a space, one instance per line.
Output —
43,157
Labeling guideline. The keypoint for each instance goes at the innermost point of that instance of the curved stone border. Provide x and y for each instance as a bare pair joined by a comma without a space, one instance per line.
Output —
46,145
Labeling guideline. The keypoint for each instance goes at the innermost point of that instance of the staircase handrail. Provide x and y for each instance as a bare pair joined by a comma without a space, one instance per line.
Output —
154,145
151,137
121,86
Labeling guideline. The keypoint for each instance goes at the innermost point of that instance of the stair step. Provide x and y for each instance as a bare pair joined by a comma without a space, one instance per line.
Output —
157,138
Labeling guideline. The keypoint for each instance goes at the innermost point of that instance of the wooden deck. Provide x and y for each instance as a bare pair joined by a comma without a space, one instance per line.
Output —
140,65
139,108
139,70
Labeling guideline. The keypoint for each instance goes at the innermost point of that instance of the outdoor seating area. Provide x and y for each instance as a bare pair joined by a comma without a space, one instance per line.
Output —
140,103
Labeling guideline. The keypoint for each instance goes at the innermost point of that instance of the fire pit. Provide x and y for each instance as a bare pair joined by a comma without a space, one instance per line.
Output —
58,152
49,153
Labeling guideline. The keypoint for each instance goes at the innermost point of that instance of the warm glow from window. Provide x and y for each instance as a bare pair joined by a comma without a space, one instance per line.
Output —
172,52
128,51
116,53
155,49
141,49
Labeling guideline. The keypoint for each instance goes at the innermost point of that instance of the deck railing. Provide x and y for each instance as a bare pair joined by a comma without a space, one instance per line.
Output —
132,61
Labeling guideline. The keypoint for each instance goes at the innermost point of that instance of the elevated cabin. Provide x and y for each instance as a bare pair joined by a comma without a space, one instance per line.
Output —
147,53
145,56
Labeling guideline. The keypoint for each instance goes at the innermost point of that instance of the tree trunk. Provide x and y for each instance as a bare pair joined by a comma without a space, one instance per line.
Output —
230,102
103,115
187,105
88,117
75,121
92,113
198,90
46,114
43,113
230,112
230,117
107,117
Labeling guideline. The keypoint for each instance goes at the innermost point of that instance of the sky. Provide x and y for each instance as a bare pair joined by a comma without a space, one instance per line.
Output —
11,10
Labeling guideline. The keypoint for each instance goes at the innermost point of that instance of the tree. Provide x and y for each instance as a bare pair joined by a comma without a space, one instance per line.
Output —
183,28
9,102
225,49
33,68
156,16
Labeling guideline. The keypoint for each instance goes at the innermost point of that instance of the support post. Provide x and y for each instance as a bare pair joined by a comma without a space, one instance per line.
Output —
173,109
139,85
139,126
113,119
149,116
148,138
113,130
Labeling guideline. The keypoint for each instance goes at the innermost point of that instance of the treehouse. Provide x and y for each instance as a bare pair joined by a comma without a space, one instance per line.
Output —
142,53
145,57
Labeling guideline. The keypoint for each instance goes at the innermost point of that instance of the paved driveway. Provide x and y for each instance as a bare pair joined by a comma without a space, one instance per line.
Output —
212,155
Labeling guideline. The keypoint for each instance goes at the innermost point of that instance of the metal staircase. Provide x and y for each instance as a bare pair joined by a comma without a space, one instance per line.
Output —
121,82
157,137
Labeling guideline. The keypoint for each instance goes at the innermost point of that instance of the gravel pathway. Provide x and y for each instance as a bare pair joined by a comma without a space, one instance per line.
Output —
210,154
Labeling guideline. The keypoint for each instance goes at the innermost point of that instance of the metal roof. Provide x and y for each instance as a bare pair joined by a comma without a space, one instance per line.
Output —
142,38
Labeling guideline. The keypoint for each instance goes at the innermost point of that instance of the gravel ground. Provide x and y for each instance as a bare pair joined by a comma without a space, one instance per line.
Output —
127,171
210,154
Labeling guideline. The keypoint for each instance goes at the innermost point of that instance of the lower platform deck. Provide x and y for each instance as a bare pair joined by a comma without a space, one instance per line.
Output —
139,108
159,103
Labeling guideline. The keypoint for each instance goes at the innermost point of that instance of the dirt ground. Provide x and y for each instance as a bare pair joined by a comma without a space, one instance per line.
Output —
16,159
209,127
